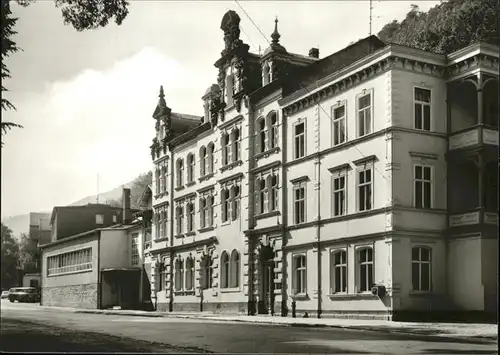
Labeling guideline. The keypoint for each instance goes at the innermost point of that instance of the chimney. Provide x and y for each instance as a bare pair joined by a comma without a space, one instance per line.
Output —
314,53
127,213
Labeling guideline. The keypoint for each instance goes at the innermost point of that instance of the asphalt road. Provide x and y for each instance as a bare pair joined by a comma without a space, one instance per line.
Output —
230,337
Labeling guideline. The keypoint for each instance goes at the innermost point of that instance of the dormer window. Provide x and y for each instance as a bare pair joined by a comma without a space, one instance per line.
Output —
266,74
230,88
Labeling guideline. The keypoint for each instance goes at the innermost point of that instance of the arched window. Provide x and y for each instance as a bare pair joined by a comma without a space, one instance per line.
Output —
190,217
189,273
261,135
235,141
266,74
180,172
203,212
203,161
210,209
224,265
365,269
206,272
158,180
272,123
164,176
225,204
235,269
235,201
263,196
273,198
180,219
338,271
179,274
421,271
190,168
226,149
161,276
210,158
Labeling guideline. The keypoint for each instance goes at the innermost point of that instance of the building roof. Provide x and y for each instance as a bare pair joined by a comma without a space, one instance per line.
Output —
134,224
304,76
97,206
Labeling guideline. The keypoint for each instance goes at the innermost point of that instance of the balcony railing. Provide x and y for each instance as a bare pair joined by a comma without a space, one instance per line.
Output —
470,137
474,217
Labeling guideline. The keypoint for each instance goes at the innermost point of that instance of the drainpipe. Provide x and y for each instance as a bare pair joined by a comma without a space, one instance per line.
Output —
448,190
284,216
251,304
99,275
171,286
318,226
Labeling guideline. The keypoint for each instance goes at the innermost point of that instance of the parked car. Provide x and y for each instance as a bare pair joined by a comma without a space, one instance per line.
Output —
24,294
5,294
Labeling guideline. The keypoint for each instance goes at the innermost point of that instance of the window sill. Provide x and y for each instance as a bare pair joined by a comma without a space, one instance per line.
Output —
225,223
177,236
205,177
190,233
267,153
230,290
184,293
178,188
162,239
160,195
300,296
267,214
190,183
205,229
232,165
69,273
421,294
352,296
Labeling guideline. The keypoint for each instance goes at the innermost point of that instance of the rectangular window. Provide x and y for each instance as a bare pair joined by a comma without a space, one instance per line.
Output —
135,249
299,203
364,115
180,219
203,212
365,269
339,194
421,269
365,189
338,272
99,219
422,186
422,102
190,217
157,181
300,140
339,125
299,275
75,261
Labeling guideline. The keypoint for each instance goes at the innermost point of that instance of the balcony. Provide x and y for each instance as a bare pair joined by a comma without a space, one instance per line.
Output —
473,218
471,137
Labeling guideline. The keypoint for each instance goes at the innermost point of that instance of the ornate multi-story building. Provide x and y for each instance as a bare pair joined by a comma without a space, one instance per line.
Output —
360,183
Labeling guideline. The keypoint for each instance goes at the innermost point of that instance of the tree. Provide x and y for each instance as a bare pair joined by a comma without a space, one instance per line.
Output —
81,14
10,258
446,27
29,254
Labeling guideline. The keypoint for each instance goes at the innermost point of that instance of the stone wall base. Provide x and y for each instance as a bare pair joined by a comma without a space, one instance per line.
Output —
208,307
445,316
76,296
369,315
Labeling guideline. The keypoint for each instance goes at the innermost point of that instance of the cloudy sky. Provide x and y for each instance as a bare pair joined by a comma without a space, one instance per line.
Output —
86,98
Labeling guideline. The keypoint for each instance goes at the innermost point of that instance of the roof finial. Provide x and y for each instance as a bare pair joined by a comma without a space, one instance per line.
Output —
161,101
276,36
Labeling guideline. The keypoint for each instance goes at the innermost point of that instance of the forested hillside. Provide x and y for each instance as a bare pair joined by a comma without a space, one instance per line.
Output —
447,27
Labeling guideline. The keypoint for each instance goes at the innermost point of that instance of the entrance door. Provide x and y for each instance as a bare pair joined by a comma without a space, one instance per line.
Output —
267,287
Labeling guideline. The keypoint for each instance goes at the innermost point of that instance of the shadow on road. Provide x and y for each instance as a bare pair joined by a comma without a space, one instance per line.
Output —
22,336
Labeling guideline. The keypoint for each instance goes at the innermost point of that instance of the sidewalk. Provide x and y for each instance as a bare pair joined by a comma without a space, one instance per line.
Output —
449,330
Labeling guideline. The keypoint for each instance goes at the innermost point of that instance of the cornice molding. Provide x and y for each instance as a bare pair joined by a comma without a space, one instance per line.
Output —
362,75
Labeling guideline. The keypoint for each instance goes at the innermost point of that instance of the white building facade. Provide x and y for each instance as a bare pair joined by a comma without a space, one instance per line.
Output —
330,186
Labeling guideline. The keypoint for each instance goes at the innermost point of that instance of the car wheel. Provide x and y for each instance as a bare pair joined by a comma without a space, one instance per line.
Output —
11,300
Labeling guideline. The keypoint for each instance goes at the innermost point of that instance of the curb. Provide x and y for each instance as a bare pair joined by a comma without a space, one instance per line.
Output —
413,332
